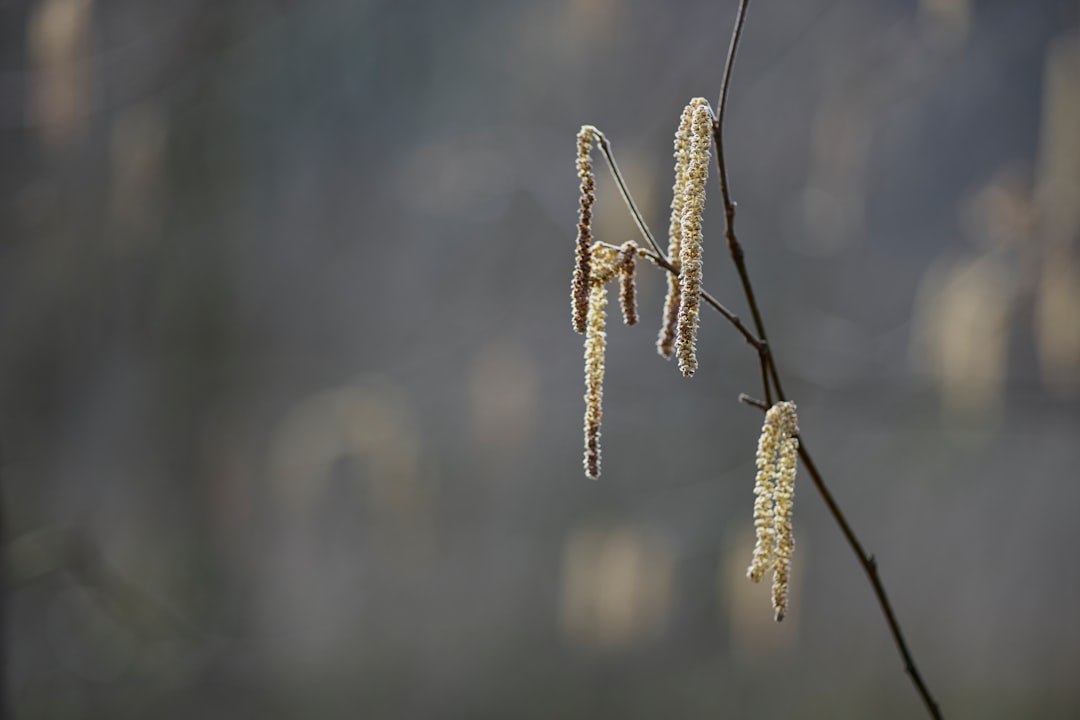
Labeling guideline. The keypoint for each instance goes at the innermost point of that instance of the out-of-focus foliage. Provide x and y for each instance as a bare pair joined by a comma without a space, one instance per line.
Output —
290,407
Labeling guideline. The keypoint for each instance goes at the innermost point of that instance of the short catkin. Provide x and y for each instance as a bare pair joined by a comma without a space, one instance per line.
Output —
774,494
697,172
627,282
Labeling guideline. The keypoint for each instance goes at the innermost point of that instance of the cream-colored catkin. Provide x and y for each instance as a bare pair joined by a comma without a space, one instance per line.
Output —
697,172
784,495
579,291
627,282
605,263
774,495
665,342
764,515
595,342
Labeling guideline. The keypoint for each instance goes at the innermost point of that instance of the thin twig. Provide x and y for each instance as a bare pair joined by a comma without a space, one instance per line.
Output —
770,372
775,374
657,255
662,262
605,148
753,402
729,206
869,566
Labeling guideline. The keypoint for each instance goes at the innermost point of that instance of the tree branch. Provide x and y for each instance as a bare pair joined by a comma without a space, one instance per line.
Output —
769,373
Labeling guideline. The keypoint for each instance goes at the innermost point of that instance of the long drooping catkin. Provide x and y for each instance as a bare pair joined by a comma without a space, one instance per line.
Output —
697,172
627,282
607,264
774,494
579,291
665,343
595,342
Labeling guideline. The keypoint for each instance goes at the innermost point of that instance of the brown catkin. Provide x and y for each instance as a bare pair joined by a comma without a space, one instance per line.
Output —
627,282
665,342
697,172
579,292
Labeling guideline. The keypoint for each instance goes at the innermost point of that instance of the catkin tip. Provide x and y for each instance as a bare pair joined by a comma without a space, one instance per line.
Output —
665,342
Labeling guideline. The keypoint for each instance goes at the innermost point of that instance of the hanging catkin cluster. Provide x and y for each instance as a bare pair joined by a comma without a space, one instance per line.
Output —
665,343
693,205
597,263
607,263
774,494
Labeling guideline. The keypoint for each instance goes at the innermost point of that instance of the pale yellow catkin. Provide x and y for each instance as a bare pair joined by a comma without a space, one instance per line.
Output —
579,291
605,263
764,514
604,268
774,494
697,172
665,342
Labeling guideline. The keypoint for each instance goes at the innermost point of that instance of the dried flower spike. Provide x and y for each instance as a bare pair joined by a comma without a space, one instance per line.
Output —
583,261
665,343
595,342
697,172
627,284
774,494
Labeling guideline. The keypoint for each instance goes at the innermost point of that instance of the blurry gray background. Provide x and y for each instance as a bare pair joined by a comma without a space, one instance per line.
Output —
290,406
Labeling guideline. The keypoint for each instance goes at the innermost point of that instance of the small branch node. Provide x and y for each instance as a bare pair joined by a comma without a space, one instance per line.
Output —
752,402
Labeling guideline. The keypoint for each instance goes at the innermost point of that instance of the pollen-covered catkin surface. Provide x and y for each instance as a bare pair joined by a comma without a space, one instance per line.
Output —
697,172
605,264
784,495
579,291
774,495
595,343
665,343
764,515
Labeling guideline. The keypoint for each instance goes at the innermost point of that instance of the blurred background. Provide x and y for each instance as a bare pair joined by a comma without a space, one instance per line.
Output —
290,405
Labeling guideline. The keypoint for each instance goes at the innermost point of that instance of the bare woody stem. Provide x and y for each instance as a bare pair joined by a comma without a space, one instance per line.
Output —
751,339
770,373
869,566
764,356
605,148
